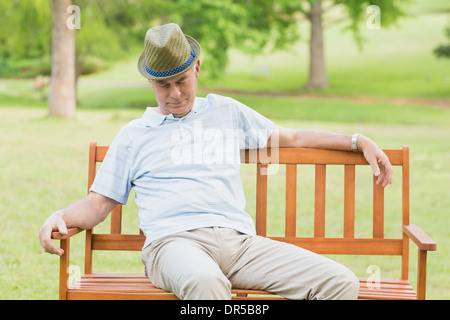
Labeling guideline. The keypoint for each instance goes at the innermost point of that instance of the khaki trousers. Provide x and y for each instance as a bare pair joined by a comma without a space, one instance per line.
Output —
206,263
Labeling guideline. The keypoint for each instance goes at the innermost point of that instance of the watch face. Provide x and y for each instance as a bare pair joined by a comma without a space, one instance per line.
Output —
354,141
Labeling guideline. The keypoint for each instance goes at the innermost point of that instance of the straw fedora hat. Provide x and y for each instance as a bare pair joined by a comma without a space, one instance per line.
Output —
167,53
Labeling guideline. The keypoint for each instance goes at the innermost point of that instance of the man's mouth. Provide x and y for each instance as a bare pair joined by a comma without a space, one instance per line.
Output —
176,104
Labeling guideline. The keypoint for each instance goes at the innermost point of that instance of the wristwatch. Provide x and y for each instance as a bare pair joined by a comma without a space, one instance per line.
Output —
354,146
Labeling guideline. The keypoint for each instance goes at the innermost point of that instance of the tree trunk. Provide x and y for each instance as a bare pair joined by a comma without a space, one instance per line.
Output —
317,71
62,99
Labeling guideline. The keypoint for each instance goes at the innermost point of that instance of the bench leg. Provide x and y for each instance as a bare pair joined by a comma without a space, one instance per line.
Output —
63,268
422,275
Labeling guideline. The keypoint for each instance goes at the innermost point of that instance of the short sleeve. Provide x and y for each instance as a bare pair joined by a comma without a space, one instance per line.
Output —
113,177
255,128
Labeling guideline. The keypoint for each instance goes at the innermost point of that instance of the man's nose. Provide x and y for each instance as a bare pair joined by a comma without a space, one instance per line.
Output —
175,92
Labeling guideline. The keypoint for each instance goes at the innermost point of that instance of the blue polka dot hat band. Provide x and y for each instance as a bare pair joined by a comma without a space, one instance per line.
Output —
172,71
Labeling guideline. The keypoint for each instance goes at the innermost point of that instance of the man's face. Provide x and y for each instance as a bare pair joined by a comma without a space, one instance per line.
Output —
177,95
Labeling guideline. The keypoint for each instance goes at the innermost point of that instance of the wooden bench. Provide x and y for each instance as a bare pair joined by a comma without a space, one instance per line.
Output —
137,286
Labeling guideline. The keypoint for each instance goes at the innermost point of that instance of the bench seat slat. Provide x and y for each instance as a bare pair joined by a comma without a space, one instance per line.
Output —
118,295
137,286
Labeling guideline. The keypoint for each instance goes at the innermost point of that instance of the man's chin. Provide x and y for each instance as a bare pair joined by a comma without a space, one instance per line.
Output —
179,111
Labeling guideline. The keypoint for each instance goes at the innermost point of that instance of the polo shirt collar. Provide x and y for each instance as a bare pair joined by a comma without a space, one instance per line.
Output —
151,118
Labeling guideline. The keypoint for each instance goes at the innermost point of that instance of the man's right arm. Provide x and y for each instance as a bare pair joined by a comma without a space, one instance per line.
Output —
85,214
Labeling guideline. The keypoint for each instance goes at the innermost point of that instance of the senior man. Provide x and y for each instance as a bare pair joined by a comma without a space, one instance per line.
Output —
180,159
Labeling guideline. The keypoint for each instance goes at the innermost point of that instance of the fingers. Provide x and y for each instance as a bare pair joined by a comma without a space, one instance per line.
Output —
62,228
375,168
381,166
46,241
388,173
52,224
385,172
51,248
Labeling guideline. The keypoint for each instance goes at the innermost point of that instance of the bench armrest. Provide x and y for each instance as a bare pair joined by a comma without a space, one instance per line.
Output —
419,237
70,232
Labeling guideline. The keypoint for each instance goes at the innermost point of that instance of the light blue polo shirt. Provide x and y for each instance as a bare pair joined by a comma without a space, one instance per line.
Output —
185,171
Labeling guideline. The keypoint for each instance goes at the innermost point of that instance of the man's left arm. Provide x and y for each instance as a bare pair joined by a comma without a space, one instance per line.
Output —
309,138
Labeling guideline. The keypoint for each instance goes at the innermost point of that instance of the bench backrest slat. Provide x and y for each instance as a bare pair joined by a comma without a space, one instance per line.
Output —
319,201
116,220
378,210
291,200
261,196
349,201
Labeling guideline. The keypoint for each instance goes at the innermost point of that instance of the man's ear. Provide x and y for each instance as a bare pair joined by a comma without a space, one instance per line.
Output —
197,68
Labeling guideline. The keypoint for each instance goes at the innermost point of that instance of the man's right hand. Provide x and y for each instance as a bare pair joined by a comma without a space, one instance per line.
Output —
85,214
53,223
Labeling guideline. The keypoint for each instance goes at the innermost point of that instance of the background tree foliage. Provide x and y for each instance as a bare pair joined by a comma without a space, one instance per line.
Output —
443,51
110,29
25,33
26,28
250,25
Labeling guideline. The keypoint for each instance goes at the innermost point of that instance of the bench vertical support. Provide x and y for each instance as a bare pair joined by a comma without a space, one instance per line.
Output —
319,202
116,219
421,274
91,176
378,210
349,201
261,199
405,210
88,252
291,200
64,268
